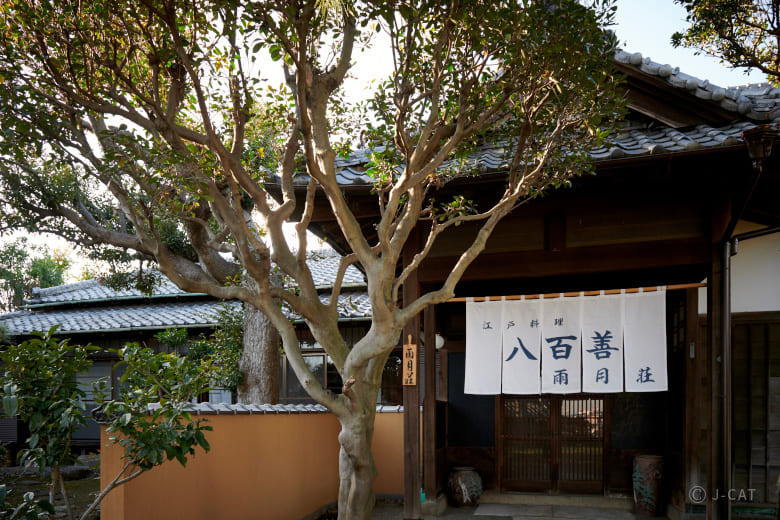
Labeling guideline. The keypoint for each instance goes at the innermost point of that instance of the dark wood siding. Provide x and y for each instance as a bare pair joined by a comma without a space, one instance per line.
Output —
756,404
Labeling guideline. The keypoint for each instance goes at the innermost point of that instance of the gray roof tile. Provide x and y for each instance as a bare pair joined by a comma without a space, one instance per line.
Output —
113,318
631,141
758,102
323,265
227,409
93,290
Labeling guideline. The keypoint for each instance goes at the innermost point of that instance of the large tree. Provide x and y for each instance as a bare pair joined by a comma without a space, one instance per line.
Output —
742,33
126,124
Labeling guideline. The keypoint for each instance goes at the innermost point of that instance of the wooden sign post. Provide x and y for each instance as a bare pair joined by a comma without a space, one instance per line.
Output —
410,363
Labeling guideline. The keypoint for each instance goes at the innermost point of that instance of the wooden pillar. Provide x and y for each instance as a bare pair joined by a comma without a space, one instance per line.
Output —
695,353
429,405
719,337
713,339
719,467
412,510
726,481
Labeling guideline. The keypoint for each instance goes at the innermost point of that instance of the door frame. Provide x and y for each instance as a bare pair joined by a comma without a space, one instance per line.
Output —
553,485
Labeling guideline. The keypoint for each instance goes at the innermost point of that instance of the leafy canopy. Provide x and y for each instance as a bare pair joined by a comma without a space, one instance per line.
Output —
742,33
222,348
150,130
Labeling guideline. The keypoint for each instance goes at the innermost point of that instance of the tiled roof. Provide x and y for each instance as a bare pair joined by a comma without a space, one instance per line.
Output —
758,101
93,290
115,318
259,409
323,266
633,140
352,304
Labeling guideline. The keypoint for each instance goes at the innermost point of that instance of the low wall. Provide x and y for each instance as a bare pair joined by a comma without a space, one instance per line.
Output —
275,462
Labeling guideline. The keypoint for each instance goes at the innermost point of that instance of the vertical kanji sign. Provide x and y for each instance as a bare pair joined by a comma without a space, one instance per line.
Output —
410,363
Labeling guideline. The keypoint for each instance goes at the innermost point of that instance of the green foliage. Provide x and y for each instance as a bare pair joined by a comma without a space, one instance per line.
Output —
118,278
150,419
136,127
173,339
40,385
542,74
741,33
5,337
28,509
24,266
223,348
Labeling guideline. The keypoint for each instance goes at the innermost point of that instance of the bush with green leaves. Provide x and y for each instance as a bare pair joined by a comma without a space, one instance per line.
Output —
28,508
223,348
151,420
40,386
173,339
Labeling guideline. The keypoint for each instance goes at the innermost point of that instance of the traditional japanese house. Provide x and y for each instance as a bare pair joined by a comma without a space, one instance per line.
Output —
90,312
688,183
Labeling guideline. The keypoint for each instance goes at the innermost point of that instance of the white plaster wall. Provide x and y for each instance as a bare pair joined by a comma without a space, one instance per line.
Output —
755,275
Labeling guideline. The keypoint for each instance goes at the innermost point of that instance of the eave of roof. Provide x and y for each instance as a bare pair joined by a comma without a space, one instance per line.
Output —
741,108
353,306
759,102
118,299
323,266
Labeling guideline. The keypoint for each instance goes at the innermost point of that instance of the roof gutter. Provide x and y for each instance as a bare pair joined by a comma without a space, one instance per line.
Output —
323,288
341,320
116,299
173,325
61,332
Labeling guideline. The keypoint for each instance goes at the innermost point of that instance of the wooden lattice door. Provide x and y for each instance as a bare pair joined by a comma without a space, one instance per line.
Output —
552,443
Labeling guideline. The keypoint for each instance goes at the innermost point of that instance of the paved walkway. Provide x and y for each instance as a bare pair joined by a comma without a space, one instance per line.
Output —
547,512
394,511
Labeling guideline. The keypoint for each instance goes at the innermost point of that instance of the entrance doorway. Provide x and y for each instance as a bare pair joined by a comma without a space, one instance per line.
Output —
552,443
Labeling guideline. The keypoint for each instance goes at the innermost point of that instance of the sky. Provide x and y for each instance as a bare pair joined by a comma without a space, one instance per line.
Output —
647,26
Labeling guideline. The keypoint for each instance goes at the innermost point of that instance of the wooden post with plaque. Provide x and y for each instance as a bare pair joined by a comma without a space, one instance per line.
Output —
410,363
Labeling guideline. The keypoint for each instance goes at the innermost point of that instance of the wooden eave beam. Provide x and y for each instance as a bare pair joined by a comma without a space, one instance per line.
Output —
574,261
676,107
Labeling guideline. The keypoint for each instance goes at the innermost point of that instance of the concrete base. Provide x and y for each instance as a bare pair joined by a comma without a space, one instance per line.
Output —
434,507
673,513
620,503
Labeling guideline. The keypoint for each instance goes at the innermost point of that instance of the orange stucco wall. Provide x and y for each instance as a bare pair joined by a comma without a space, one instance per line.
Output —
271,466
388,450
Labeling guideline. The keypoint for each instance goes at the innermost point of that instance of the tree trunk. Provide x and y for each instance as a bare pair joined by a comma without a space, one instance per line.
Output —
55,473
357,471
260,359
64,491
58,480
